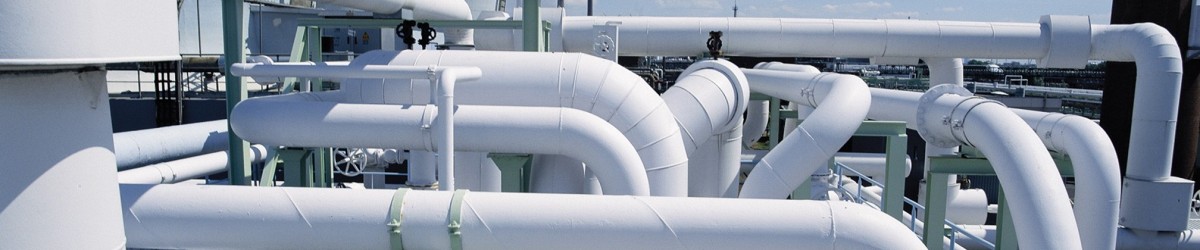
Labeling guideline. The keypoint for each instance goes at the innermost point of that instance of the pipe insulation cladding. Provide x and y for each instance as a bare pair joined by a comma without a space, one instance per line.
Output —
177,216
186,168
840,105
141,147
570,80
272,120
948,115
708,100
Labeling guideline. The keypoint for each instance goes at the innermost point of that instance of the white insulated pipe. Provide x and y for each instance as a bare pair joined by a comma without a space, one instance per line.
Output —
802,111
423,10
557,174
708,101
475,171
841,103
1097,172
176,216
570,80
757,114
422,169
272,120
1041,209
443,81
186,168
871,164
148,146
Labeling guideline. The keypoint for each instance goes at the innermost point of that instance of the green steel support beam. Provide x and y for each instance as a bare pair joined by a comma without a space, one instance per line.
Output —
512,171
897,151
295,172
239,153
773,125
299,54
532,34
935,210
1006,234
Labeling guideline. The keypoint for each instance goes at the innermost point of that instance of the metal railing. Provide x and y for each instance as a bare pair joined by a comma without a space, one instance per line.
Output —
839,170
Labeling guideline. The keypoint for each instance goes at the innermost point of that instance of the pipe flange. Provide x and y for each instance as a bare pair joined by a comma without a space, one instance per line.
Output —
740,85
925,114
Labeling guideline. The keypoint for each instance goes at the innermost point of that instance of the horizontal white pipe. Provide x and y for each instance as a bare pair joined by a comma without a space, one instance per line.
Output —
351,71
661,36
452,10
708,101
173,216
186,168
570,80
873,165
142,147
841,103
1040,206
273,121
1097,172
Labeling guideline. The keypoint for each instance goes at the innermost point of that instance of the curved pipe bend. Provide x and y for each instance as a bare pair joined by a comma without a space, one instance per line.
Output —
841,103
1097,172
273,121
708,101
571,80
1040,206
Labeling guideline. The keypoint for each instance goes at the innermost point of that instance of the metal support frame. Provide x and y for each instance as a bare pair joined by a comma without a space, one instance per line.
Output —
235,92
514,171
970,162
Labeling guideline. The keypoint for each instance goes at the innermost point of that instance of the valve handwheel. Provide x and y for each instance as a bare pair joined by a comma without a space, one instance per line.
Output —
350,161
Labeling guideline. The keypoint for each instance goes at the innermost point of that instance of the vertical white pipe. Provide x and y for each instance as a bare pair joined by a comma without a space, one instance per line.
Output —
59,170
708,101
445,103
422,169
943,71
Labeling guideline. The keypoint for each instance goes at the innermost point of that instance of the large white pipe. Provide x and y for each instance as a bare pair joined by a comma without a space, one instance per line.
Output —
802,111
422,169
557,174
59,169
175,216
186,168
841,103
272,120
1041,209
873,195
148,146
708,101
1097,172
587,83
452,10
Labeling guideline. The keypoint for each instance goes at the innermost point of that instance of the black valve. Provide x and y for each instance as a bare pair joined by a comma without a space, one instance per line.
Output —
427,34
404,31
714,43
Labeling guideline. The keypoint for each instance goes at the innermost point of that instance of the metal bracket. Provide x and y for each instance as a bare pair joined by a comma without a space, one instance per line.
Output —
605,43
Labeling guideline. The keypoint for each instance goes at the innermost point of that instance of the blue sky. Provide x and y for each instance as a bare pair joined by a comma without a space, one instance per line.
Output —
962,10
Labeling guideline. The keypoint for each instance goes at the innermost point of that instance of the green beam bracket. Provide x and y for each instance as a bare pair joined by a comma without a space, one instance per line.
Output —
295,172
897,150
514,171
969,162
239,153
935,210
532,34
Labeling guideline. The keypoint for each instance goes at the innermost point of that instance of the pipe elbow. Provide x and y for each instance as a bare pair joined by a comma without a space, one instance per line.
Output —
856,226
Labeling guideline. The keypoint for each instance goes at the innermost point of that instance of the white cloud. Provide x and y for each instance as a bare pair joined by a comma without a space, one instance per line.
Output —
827,7
872,5
691,4
951,9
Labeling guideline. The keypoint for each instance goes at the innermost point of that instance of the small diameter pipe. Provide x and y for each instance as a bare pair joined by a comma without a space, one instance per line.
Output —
148,146
1040,206
185,169
273,120
181,217
1097,172
841,104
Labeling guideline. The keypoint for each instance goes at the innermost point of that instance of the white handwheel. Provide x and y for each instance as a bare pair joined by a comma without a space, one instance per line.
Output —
350,161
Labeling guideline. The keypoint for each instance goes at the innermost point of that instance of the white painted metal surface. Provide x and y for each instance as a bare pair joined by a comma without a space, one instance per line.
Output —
176,216
59,170
577,81
484,129
841,103
454,10
186,168
708,101
65,32
148,146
